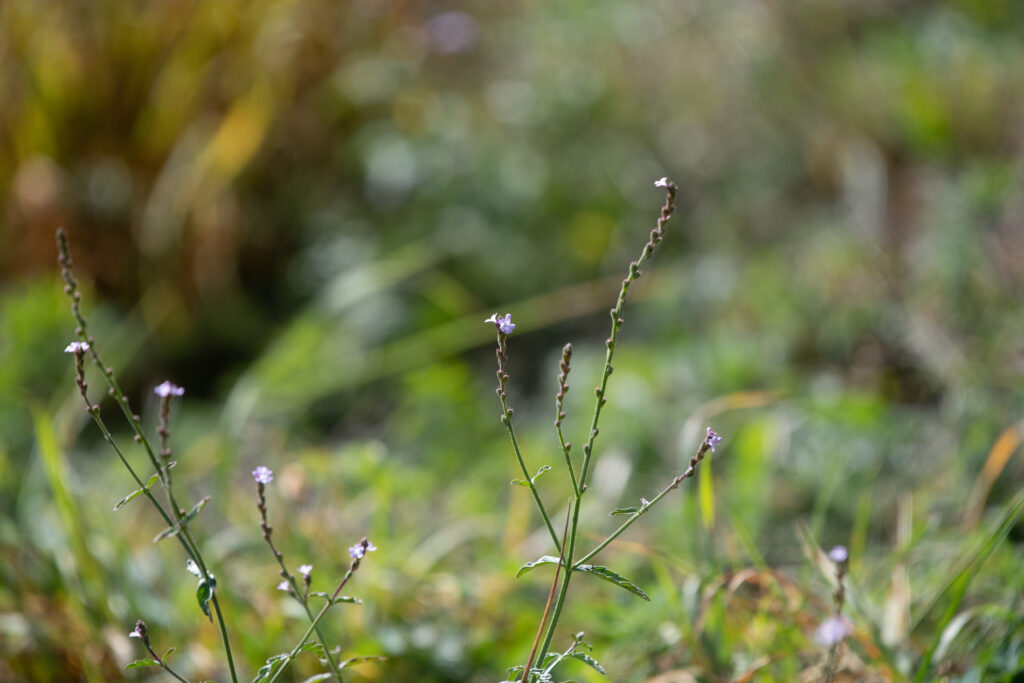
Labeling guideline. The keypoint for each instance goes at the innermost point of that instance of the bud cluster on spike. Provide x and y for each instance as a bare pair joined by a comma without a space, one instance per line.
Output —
563,383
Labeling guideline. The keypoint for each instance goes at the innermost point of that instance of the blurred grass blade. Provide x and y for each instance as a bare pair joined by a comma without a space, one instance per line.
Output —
55,467
1001,452
956,586
706,496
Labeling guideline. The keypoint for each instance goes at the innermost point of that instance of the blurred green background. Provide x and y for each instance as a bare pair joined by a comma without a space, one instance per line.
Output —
303,210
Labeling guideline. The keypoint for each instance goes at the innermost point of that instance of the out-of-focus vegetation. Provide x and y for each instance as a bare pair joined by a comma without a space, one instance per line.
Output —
302,211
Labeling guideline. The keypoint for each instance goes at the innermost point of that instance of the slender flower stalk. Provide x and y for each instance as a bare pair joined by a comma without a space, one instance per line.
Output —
357,552
505,327
263,476
834,630
616,313
177,517
547,607
142,633
567,559
710,442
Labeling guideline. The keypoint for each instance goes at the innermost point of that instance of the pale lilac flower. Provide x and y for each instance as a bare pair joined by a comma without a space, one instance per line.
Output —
839,554
305,569
140,632
662,182
831,631
168,389
77,347
359,550
284,586
263,475
504,325
713,440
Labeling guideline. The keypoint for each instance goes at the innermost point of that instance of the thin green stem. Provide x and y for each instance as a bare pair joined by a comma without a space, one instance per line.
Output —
702,450
300,596
166,667
185,539
191,548
547,607
506,419
566,578
568,460
353,566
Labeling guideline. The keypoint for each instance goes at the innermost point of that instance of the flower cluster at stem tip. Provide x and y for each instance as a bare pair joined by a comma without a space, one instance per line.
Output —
168,389
359,550
839,554
713,440
504,325
263,475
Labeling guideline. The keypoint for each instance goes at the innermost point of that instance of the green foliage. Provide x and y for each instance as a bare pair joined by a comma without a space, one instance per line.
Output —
303,211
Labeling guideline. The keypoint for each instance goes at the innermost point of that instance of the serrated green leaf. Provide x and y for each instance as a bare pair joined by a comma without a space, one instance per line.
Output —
195,509
129,498
204,592
533,479
156,477
315,648
546,559
612,577
598,571
589,661
267,668
139,663
138,492
169,532
340,598
358,660
349,599
623,511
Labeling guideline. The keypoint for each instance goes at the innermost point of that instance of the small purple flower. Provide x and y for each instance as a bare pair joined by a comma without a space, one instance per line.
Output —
263,475
140,632
77,347
839,554
831,631
168,389
713,440
359,550
284,586
662,182
305,569
504,325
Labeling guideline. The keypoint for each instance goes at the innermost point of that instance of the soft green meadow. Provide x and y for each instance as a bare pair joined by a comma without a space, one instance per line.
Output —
303,212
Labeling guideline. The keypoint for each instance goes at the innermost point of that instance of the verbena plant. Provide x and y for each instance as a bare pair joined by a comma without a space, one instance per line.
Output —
541,661
178,519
